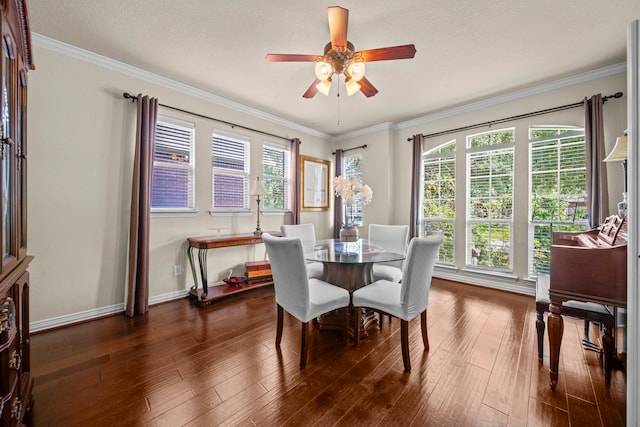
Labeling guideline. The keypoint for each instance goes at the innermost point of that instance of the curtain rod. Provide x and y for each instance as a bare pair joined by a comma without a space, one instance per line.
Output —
353,148
133,98
521,116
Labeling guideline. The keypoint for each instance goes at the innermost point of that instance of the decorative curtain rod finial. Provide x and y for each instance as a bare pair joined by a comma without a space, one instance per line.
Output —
127,95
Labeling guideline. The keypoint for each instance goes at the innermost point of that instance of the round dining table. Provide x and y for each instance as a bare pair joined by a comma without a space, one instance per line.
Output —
349,265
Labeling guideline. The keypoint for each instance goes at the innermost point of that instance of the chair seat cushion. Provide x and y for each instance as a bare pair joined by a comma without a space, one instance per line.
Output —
314,270
382,295
323,297
386,272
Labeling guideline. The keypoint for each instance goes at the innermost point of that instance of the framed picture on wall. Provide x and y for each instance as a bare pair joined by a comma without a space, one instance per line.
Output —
314,184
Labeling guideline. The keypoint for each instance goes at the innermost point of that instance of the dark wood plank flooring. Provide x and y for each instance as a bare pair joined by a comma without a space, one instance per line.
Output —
184,365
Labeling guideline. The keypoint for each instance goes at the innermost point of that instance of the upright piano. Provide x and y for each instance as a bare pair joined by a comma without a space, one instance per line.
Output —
589,266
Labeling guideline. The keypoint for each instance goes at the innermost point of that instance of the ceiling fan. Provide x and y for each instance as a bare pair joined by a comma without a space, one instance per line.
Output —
340,57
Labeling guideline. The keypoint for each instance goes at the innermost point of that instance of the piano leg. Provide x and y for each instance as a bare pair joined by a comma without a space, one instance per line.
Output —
607,347
556,329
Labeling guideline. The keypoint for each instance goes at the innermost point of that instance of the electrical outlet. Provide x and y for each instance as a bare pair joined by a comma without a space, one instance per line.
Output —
177,270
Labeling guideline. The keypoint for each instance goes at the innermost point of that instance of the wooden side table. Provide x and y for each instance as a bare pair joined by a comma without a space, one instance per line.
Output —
206,295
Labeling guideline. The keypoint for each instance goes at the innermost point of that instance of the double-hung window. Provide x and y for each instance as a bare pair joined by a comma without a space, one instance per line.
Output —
230,163
276,175
490,200
172,174
439,197
557,189
353,168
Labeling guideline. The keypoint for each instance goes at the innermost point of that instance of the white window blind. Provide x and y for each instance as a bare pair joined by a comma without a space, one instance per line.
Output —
276,176
230,163
490,199
557,189
173,166
439,204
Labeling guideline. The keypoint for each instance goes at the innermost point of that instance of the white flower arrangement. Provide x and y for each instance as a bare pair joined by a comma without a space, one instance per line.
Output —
349,189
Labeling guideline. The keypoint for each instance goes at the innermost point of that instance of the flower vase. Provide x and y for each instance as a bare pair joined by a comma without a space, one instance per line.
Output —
349,234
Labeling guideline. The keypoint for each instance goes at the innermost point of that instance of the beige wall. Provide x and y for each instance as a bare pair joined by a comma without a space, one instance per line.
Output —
81,136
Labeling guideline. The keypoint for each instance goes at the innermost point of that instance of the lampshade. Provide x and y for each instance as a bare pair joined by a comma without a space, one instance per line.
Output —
324,70
352,86
258,188
324,87
356,70
619,151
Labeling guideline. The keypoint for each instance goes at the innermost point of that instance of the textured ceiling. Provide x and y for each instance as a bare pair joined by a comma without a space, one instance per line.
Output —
466,50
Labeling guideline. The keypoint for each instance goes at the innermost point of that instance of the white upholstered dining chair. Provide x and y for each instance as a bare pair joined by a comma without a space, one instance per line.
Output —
391,238
300,296
306,233
407,299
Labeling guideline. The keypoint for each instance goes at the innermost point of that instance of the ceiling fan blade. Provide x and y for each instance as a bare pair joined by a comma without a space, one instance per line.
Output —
367,88
338,23
405,51
311,92
285,57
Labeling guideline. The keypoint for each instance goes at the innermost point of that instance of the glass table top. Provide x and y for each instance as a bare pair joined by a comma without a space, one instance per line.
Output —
358,252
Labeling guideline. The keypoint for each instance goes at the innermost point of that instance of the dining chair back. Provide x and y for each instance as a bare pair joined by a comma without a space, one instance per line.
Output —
392,238
298,295
407,299
306,233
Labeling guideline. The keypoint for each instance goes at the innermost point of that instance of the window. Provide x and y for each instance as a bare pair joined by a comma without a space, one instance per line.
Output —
230,162
439,193
172,175
557,189
276,173
353,167
490,199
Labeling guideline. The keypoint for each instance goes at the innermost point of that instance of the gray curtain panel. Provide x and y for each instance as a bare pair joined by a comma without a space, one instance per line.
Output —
338,209
416,162
295,181
596,173
138,280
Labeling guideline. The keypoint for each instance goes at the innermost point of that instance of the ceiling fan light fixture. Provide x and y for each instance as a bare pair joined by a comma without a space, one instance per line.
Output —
352,86
356,70
324,86
323,70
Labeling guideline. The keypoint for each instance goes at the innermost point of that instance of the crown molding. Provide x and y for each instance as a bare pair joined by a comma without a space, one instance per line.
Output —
518,94
103,61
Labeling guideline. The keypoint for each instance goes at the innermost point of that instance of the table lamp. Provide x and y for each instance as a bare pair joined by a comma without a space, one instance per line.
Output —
258,190
619,153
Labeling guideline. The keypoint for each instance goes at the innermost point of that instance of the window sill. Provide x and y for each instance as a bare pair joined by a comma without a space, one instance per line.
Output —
230,213
168,213
497,274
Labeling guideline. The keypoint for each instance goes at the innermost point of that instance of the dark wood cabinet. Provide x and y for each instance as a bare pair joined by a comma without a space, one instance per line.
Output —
16,382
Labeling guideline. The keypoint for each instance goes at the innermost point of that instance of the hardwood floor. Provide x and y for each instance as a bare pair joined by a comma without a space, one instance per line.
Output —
184,365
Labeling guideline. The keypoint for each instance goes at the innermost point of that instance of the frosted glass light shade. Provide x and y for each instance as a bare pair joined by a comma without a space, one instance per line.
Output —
323,70
324,87
356,70
352,86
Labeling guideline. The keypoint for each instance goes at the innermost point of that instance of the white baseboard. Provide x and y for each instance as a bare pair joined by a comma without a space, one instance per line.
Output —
83,316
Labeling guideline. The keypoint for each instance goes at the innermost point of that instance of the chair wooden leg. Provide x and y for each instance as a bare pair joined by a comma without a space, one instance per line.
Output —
423,325
381,319
404,338
345,325
303,345
356,325
279,325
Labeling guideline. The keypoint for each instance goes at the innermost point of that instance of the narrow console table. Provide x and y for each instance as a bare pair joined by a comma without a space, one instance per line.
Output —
206,295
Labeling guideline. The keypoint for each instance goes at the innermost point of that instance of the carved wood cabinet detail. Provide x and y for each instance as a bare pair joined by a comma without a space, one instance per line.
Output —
16,382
